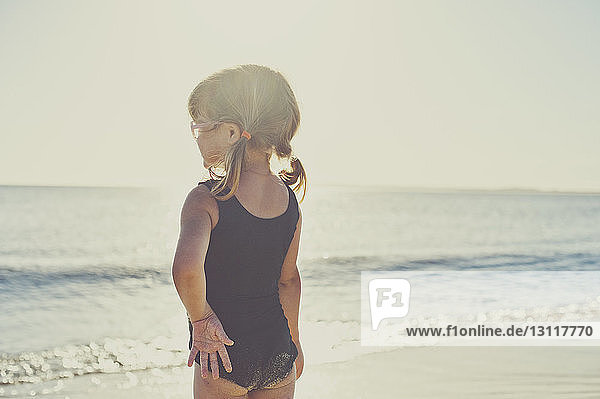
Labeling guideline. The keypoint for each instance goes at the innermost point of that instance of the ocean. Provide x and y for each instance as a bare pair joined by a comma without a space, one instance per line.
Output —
85,272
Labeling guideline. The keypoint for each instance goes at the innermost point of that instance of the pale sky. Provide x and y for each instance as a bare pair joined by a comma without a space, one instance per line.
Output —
454,94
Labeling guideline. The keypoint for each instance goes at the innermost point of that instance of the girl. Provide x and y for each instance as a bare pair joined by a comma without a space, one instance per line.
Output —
235,263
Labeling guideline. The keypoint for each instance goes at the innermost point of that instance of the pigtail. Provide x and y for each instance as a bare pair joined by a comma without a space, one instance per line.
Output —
234,159
295,176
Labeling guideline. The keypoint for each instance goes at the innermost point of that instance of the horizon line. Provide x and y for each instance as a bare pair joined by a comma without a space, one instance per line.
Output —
368,186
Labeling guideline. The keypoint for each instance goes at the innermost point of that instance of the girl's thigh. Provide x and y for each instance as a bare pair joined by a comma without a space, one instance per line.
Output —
220,388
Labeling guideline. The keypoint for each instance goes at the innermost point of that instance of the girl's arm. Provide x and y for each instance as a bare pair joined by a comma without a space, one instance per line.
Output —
188,263
290,286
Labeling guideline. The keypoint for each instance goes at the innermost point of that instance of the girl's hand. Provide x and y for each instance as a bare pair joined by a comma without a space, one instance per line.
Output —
299,360
209,338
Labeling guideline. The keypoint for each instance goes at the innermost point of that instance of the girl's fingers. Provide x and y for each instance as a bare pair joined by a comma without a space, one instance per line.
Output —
204,364
222,336
214,365
192,356
210,340
225,358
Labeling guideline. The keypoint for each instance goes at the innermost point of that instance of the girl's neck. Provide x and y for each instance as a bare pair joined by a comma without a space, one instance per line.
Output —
257,163
261,172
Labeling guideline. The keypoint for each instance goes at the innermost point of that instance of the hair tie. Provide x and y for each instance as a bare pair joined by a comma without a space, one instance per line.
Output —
246,135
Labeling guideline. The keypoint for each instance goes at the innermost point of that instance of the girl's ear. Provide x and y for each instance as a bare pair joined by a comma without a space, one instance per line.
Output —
234,132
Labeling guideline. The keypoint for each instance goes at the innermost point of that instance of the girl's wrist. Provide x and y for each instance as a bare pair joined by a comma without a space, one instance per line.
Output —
201,318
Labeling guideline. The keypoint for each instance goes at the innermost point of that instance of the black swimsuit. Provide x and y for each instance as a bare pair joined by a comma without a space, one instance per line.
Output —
242,267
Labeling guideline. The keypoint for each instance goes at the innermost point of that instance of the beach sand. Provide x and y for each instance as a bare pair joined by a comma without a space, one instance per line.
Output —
410,372
461,372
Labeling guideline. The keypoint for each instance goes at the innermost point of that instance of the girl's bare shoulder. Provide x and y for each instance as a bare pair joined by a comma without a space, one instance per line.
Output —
200,200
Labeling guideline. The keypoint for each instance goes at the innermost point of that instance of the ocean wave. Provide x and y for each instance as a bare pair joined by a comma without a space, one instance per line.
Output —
491,261
28,277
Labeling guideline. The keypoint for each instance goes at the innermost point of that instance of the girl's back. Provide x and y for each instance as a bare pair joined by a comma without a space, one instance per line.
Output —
243,266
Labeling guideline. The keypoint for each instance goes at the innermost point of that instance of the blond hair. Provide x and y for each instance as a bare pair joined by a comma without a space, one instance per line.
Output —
260,101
